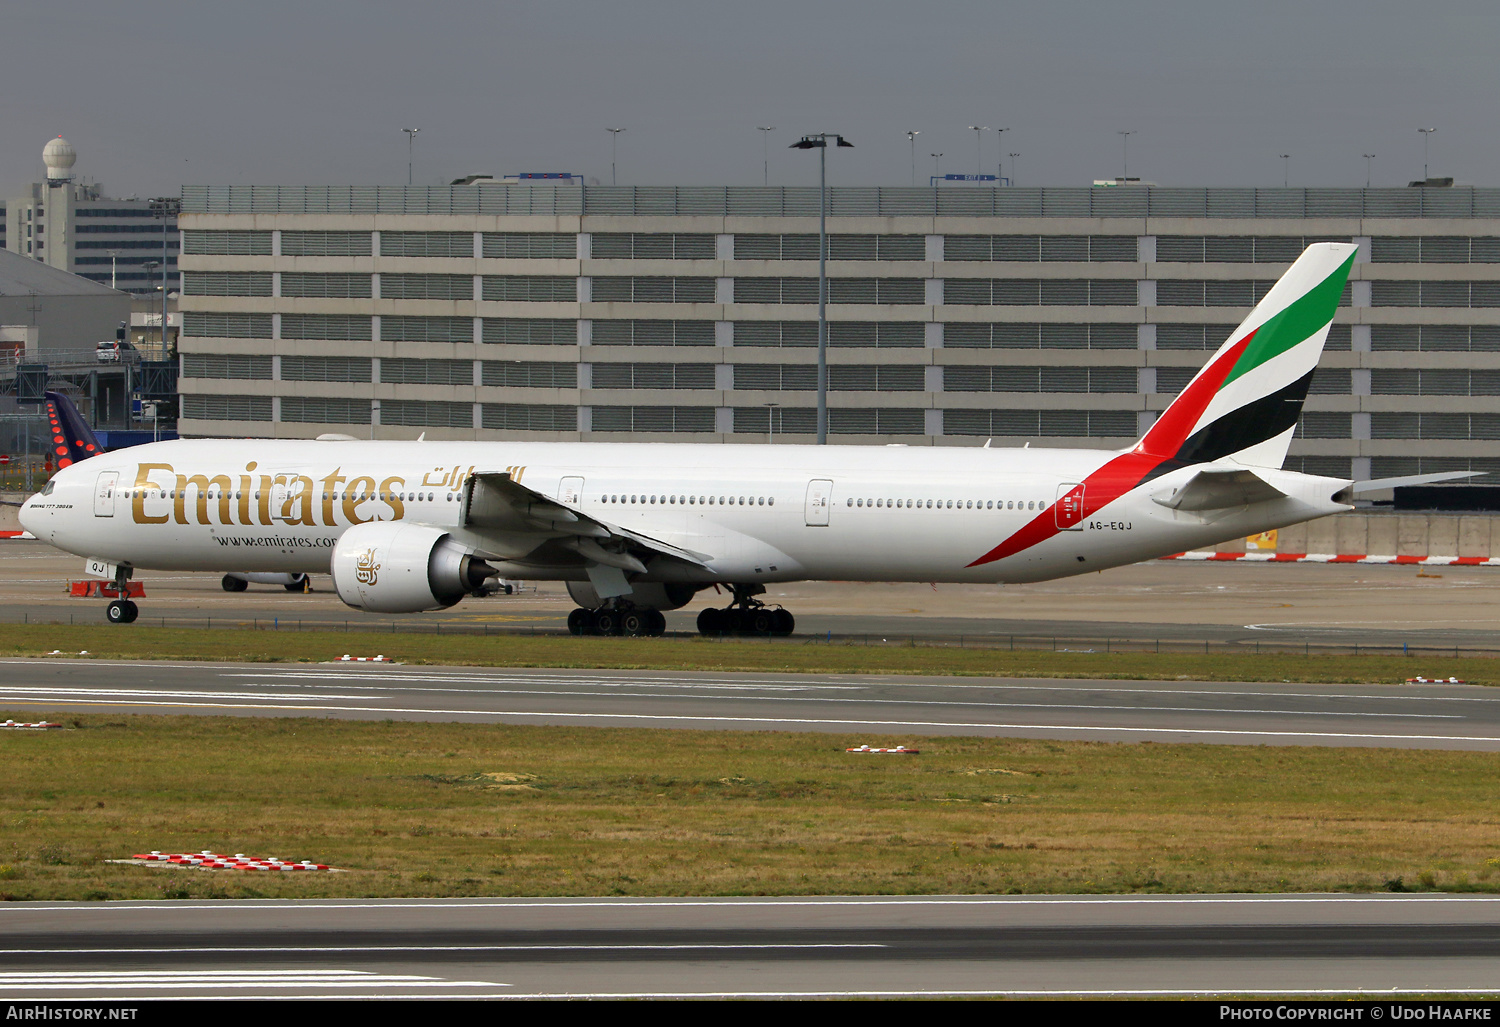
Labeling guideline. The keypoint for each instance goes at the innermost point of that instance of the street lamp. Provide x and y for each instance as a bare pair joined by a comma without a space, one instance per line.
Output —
112,255
1285,157
999,151
1125,154
166,208
1368,158
912,138
1426,135
765,152
819,142
935,166
979,131
614,137
411,139
1013,168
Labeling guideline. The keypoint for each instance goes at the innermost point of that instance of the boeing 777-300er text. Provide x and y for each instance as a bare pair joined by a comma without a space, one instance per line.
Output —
635,529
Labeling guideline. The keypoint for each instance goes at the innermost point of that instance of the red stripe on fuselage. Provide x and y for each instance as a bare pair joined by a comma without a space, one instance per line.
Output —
1128,470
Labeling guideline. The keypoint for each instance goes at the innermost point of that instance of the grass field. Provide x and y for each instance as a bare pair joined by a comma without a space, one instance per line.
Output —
148,643
465,809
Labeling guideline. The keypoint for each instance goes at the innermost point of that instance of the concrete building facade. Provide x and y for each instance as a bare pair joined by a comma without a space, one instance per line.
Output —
1066,316
74,226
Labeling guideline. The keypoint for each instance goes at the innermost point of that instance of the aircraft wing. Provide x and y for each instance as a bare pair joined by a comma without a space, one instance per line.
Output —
520,521
1218,490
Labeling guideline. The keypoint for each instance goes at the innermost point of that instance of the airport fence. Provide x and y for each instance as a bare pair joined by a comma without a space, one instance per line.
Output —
1081,644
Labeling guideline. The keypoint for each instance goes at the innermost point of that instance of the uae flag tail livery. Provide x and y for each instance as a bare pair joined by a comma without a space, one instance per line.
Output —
1245,402
1236,416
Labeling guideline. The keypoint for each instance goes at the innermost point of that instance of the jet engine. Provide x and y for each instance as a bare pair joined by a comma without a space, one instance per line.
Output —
649,596
390,567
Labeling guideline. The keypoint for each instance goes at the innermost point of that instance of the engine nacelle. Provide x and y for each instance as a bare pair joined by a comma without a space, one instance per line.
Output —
650,596
391,567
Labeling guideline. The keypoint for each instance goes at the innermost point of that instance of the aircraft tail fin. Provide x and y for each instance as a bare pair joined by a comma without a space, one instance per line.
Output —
72,440
1245,402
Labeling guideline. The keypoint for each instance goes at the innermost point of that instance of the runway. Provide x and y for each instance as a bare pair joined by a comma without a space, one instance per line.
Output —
1403,716
1386,945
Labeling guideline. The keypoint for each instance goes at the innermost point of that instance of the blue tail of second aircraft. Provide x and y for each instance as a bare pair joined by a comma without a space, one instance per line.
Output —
72,440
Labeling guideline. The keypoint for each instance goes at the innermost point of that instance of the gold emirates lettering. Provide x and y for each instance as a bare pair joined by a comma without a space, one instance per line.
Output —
161,494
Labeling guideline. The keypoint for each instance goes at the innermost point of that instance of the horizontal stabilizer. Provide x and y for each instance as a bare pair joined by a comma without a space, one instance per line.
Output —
1218,490
1376,484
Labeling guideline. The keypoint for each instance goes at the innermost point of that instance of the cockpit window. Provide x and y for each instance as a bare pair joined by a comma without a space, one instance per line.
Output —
47,488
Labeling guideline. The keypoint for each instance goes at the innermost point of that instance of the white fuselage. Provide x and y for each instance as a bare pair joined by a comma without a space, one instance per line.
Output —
754,513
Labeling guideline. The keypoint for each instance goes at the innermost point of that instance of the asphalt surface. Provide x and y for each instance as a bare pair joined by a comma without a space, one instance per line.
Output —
1386,945
1172,601
1403,716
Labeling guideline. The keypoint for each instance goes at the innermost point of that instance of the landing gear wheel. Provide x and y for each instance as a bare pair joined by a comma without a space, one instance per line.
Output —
710,621
758,621
782,623
633,623
296,586
233,584
580,622
658,625
606,622
122,611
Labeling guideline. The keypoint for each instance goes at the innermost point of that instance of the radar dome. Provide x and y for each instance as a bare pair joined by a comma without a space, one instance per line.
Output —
59,156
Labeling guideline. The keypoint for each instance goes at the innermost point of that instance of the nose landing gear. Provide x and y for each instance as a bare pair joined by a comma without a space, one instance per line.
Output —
122,610
747,615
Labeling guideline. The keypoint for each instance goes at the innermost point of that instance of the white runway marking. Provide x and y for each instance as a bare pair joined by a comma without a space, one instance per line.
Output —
129,980
77,696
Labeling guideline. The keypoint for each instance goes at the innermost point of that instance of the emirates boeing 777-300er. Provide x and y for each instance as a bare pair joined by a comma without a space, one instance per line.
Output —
634,529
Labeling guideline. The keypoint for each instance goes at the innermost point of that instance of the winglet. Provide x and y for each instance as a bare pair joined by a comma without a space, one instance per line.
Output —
72,440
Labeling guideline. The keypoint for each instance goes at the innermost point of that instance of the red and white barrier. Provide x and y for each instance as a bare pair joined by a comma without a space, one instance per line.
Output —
23,535
346,658
215,861
900,748
1363,558
11,725
1435,681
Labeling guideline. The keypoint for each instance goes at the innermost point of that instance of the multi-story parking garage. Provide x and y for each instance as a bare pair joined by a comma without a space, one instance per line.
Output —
1066,316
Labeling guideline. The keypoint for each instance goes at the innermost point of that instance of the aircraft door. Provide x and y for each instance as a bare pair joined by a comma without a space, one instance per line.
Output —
1069,506
104,494
819,501
570,493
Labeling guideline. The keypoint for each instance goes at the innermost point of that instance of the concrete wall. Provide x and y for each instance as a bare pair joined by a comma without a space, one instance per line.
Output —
1388,533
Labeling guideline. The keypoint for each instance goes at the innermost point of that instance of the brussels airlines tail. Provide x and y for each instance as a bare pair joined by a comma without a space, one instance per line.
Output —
634,529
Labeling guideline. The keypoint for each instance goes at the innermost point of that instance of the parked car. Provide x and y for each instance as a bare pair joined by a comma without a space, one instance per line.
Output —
112,351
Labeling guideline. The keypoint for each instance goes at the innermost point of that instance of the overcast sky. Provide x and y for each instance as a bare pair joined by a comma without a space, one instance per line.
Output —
155,94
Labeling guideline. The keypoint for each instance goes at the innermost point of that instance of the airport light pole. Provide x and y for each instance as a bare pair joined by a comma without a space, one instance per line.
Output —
1125,154
979,131
911,137
1013,168
1000,153
936,167
1368,158
1426,135
819,142
166,208
1285,158
112,255
614,138
765,151
411,141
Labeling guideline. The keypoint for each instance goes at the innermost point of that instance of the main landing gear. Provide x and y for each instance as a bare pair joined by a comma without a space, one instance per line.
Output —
747,615
612,620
